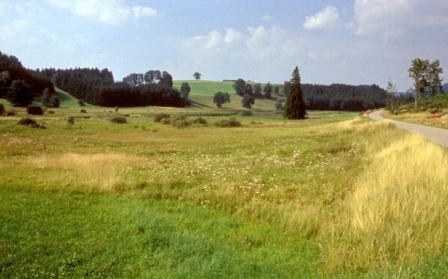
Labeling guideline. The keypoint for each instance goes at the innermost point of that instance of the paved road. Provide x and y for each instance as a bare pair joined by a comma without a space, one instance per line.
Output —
437,135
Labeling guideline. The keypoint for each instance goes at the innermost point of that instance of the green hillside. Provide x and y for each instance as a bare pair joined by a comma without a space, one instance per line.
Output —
202,92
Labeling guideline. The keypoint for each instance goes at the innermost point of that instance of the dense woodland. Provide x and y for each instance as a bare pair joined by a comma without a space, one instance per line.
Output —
12,73
20,85
318,97
98,87
343,97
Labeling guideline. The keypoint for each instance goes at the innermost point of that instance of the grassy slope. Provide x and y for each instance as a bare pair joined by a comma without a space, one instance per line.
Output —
202,92
269,199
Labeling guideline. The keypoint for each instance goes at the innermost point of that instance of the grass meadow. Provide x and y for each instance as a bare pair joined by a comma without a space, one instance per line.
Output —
333,196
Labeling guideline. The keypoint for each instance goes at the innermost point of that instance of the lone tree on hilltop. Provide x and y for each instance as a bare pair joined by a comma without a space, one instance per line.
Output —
197,76
295,106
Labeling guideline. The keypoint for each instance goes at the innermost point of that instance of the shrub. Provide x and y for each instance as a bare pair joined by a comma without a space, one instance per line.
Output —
11,113
34,110
433,110
27,121
159,117
50,112
83,111
231,122
200,121
165,121
30,123
119,120
2,109
71,120
182,124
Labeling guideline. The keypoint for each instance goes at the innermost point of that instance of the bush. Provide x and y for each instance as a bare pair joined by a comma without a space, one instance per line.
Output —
30,123
27,121
165,121
71,120
11,113
119,120
182,124
83,111
433,110
34,110
2,109
231,122
200,121
159,117
50,112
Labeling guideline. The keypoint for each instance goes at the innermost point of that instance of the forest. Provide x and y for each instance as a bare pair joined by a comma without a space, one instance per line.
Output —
343,97
97,87
11,69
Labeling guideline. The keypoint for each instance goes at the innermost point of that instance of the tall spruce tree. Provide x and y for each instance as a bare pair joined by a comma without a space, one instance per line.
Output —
295,106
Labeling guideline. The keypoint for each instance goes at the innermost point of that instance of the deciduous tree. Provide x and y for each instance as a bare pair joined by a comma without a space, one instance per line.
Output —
239,86
267,90
185,90
390,89
257,90
221,98
197,76
19,94
247,101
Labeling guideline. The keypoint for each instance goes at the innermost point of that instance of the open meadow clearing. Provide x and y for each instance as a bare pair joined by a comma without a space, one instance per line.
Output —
336,195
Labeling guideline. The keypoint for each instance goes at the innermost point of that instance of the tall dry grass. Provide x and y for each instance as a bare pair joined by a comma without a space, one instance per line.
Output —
87,172
397,212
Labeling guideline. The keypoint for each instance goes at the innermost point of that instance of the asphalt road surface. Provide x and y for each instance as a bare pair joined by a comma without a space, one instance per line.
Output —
437,135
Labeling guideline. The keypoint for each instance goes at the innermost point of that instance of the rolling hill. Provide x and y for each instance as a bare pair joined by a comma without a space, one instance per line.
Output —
202,92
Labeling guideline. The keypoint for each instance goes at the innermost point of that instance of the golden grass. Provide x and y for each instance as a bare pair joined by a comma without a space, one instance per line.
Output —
96,172
397,212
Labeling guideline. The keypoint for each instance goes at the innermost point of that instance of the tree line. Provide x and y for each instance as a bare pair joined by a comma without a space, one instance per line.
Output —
20,85
92,85
316,97
343,97
98,87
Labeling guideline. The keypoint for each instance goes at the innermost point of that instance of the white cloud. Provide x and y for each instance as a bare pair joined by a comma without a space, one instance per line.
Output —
210,41
139,12
323,20
261,52
232,36
106,11
381,17
395,18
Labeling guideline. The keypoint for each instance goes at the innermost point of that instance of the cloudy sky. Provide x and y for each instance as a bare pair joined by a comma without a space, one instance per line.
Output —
331,41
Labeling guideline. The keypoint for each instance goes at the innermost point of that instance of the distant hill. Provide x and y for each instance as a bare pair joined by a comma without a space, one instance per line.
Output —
445,87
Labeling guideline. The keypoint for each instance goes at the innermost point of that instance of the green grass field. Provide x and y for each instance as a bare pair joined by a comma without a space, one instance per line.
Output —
202,92
333,196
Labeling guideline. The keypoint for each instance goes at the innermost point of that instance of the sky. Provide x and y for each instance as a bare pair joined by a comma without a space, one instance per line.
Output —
331,41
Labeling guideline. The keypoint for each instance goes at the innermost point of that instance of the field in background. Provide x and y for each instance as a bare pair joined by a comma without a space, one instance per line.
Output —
202,92
332,196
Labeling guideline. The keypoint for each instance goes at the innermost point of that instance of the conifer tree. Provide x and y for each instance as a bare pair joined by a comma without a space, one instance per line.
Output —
295,106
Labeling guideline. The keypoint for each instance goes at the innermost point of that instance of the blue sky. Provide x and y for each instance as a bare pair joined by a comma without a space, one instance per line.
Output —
343,41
